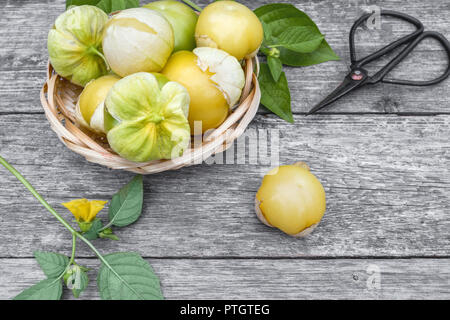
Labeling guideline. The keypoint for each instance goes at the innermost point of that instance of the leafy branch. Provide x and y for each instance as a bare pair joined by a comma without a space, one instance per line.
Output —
290,38
122,275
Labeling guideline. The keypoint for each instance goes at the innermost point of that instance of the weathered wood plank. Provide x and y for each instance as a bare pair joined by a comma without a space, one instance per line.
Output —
387,180
269,279
25,24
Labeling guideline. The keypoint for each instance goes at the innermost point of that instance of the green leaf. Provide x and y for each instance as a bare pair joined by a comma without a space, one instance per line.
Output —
48,289
278,18
92,233
267,32
106,5
80,2
116,5
275,95
323,54
127,277
300,39
53,264
275,66
126,205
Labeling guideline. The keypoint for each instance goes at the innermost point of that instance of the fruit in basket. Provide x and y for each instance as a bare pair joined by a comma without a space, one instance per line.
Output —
137,40
146,118
75,44
291,199
214,80
182,19
230,26
90,107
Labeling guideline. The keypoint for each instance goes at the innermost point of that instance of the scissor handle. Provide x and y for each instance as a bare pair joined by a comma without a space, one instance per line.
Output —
391,65
412,40
389,47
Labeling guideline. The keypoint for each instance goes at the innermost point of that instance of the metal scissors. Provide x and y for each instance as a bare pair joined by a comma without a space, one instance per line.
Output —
359,77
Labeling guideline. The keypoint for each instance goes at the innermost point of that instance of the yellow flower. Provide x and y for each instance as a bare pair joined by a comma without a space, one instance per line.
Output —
85,210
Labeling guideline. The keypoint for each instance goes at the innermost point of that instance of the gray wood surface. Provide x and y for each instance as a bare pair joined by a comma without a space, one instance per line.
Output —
273,279
386,175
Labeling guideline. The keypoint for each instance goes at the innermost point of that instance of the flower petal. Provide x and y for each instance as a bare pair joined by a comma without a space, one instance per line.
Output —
95,208
85,210
79,208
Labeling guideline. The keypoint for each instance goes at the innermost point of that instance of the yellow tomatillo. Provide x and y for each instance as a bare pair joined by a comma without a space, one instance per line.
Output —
85,211
230,26
214,80
291,199
90,107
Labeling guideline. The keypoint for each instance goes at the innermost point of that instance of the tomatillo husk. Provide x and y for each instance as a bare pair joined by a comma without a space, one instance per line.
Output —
137,40
146,118
75,44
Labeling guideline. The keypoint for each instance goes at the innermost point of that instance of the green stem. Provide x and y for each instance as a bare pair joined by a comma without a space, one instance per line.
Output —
75,234
72,257
95,51
74,245
193,5
37,195
33,191
109,225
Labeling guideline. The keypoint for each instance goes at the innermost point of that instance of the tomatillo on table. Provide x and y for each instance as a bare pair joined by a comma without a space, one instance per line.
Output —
291,199
182,19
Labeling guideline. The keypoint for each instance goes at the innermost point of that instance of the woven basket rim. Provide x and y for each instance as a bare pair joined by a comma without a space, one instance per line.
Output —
59,96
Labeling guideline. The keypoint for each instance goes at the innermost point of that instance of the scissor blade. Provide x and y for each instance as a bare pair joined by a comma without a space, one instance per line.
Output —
345,87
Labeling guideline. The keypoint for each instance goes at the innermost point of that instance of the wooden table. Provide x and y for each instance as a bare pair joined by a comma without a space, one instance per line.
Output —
383,155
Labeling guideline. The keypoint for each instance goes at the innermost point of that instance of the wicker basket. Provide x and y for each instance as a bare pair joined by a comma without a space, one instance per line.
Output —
59,98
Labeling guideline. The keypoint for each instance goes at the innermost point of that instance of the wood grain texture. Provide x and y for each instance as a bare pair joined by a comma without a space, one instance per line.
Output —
387,180
269,279
25,24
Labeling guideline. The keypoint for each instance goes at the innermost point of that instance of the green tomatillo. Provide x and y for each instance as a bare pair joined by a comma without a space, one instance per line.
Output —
75,44
146,118
182,19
